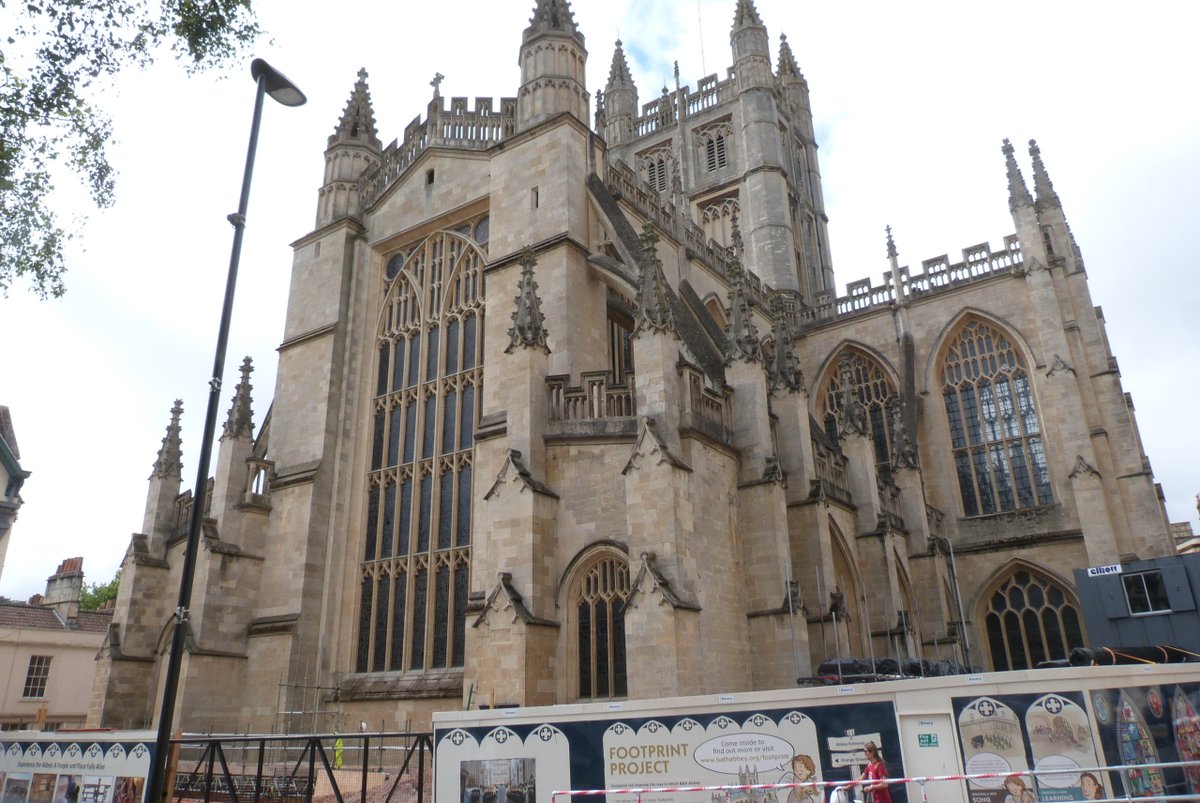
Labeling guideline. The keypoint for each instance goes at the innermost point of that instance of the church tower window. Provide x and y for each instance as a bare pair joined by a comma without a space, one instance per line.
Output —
999,454
874,390
598,603
1029,618
713,141
718,218
417,539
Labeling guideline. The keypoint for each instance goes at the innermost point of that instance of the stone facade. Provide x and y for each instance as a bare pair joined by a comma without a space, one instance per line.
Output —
568,408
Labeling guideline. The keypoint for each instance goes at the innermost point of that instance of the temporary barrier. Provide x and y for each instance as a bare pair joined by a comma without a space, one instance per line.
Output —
850,793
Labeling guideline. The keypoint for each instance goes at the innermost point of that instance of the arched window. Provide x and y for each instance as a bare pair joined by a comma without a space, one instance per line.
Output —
999,455
597,602
874,390
1030,618
718,218
656,169
417,540
713,141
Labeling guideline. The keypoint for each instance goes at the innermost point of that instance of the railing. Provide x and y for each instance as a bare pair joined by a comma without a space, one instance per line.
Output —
889,504
831,473
663,112
624,183
456,127
978,261
705,409
596,397
392,767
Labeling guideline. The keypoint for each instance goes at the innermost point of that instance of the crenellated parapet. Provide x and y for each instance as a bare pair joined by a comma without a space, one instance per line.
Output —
458,126
676,107
937,275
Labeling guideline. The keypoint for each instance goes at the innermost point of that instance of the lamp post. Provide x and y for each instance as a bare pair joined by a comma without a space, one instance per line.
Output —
269,82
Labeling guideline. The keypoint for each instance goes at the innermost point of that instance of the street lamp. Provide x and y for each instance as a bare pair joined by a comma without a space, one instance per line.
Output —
269,82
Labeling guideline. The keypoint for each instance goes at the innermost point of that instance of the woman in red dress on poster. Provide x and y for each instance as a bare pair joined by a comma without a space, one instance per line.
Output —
874,788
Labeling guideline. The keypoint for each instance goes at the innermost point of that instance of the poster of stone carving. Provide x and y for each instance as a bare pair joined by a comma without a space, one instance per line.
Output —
1012,733
801,746
1149,725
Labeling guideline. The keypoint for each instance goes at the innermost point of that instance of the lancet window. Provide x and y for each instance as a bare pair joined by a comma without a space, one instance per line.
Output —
1029,618
416,545
656,169
999,453
718,218
713,142
597,601
873,388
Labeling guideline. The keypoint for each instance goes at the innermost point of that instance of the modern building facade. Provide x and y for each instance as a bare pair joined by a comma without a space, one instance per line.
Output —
568,408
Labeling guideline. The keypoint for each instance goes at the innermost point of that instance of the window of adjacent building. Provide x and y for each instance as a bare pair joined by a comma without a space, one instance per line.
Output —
1146,593
36,676
874,389
1029,619
416,546
598,602
996,436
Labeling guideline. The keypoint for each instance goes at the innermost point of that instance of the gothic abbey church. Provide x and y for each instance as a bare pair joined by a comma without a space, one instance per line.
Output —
568,408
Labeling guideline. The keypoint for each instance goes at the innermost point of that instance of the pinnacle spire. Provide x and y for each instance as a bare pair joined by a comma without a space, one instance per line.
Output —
854,413
746,15
742,337
654,312
618,74
240,422
783,372
169,464
528,329
891,245
552,16
904,451
1046,196
1018,193
787,61
358,119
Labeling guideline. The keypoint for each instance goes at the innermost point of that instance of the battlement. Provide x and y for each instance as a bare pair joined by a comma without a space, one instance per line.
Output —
455,127
937,274
663,112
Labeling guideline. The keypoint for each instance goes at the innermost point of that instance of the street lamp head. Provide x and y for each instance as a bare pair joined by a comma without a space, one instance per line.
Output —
277,84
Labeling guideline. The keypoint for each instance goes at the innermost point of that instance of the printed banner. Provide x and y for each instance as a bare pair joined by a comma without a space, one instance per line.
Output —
524,763
1011,733
79,770
1150,725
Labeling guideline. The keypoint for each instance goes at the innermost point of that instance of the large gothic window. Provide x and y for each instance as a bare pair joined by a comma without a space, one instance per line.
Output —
598,603
1029,618
999,454
417,542
874,389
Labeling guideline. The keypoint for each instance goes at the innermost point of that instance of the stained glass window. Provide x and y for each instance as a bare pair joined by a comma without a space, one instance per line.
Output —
417,538
1029,619
599,602
874,390
999,456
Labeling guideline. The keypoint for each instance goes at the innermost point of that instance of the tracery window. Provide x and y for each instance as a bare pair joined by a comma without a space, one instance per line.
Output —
874,390
656,169
417,541
999,455
713,141
598,601
1030,619
718,219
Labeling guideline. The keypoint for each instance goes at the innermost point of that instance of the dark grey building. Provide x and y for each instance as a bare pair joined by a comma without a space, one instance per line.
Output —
1142,602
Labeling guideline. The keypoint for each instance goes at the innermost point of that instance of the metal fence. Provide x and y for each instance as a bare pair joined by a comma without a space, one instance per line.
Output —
313,768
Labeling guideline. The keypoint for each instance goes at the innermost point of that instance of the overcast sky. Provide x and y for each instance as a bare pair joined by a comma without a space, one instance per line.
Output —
911,102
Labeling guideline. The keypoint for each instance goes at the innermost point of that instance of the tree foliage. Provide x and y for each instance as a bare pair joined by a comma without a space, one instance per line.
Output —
92,597
57,58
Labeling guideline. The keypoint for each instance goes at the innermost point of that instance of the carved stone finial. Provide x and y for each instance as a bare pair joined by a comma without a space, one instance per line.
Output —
528,329
1018,193
1046,196
357,123
169,464
552,16
854,412
737,245
783,371
619,76
654,311
904,451
891,244
742,341
240,421
787,67
746,15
